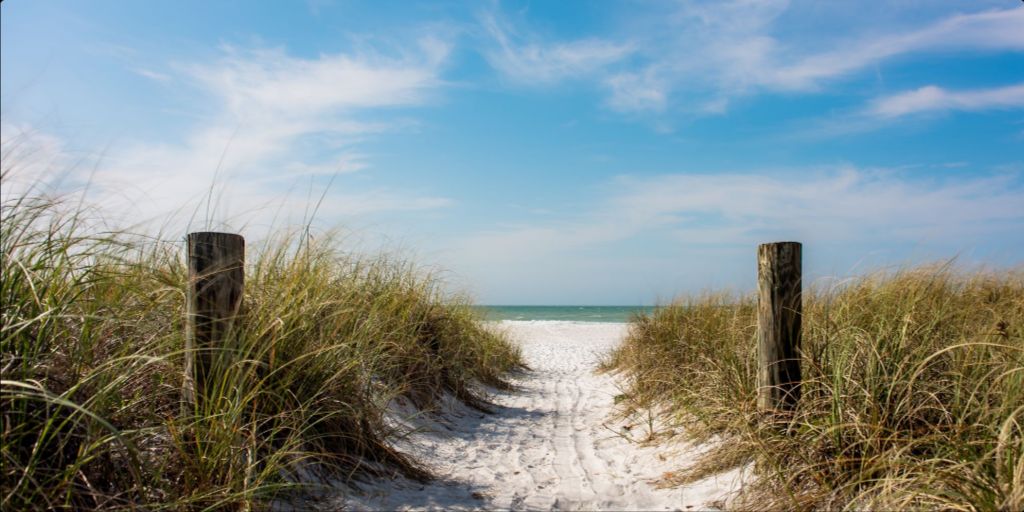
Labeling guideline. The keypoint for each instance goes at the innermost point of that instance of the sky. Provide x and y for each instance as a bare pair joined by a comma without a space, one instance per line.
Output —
568,152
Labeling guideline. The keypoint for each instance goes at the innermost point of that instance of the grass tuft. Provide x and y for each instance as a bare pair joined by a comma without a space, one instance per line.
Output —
913,391
92,337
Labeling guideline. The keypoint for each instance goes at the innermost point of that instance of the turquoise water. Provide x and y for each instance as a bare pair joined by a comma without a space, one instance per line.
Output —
570,313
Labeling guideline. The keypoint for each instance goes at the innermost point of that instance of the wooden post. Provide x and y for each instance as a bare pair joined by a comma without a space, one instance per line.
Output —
216,274
779,310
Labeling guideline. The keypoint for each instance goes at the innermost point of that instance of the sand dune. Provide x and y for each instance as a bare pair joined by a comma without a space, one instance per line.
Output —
550,445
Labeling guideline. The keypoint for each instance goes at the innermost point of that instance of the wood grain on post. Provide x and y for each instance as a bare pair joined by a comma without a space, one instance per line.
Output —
216,275
779,309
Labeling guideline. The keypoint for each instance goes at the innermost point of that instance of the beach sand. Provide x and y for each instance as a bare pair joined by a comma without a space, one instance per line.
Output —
551,444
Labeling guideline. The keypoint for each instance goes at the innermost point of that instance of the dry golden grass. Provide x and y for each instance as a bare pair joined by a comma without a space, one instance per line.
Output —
92,337
913,391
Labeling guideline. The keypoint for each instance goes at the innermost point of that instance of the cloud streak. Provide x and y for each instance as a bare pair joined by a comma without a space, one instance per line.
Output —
936,99
699,56
837,205
280,130
275,120
996,30
654,236
526,59
263,82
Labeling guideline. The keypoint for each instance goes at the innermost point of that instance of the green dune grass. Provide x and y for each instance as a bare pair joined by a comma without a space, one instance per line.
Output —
913,392
92,337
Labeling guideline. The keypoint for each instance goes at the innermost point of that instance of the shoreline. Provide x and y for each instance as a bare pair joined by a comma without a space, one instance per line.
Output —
592,314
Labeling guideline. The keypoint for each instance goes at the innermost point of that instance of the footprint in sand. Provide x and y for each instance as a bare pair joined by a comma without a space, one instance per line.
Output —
557,421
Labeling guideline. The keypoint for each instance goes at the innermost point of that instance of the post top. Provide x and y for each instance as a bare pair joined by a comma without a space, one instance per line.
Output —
779,243
212,233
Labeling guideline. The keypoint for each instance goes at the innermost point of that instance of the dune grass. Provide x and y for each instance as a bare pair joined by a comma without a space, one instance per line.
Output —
92,338
913,392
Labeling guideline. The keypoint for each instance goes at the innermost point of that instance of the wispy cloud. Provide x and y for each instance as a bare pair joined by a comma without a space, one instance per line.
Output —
152,75
988,30
254,83
656,235
275,118
637,92
697,56
526,59
341,164
27,154
832,205
936,99
846,203
742,56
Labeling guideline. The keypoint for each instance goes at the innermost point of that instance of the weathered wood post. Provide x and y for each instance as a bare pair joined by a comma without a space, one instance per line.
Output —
216,275
779,310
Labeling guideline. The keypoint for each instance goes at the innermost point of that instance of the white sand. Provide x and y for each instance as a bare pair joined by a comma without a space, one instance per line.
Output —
551,444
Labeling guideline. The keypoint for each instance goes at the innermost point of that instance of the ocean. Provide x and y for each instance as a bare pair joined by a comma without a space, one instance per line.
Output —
565,313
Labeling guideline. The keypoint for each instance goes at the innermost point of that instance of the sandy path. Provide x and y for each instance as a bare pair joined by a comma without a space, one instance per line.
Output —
549,446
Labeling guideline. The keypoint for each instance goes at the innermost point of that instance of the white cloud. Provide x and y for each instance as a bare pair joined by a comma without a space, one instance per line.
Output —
654,237
278,125
704,53
257,83
936,99
528,60
740,53
989,30
637,92
343,164
846,203
840,205
26,156
156,76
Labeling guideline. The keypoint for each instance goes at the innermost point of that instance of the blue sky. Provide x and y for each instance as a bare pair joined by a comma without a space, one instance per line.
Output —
540,152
